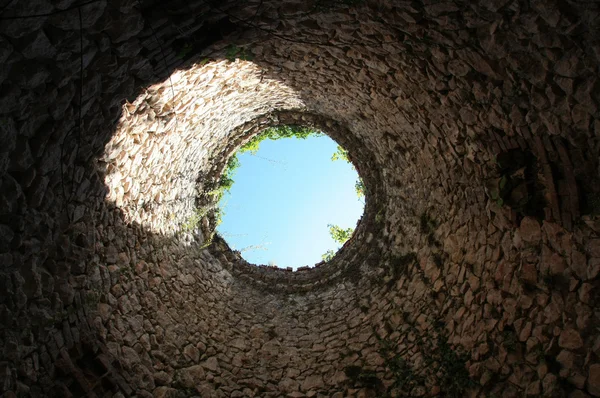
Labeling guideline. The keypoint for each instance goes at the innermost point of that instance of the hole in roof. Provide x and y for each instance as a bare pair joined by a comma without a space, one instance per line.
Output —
289,197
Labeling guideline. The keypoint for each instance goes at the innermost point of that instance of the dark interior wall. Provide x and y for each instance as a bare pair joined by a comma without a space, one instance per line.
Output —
475,266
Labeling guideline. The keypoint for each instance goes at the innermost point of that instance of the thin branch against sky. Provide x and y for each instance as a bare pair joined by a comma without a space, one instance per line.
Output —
281,163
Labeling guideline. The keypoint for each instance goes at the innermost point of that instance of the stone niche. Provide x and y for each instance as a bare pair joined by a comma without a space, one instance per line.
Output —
473,272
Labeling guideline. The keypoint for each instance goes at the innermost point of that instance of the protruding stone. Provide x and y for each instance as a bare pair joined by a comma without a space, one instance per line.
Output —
191,353
570,339
162,378
549,384
38,46
192,376
530,230
165,392
288,385
312,382
593,382
91,13
8,136
529,273
533,389
211,364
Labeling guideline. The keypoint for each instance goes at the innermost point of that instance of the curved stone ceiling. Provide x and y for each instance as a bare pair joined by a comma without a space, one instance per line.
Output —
473,271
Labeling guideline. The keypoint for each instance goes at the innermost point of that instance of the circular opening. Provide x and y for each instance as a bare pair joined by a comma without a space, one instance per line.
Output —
289,197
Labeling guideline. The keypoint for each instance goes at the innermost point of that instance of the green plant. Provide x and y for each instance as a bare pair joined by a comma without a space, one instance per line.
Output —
359,187
342,154
498,190
92,297
193,220
216,216
328,255
379,216
226,180
234,52
277,133
185,50
208,241
272,133
126,272
57,317
339,234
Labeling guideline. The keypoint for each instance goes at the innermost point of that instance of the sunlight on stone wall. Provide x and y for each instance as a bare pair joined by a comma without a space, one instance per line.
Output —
172,132
457,115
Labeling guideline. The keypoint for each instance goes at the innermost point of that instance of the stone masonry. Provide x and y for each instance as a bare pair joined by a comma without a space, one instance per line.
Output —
473,272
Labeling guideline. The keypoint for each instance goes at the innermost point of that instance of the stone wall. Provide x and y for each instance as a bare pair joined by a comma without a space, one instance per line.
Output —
473,271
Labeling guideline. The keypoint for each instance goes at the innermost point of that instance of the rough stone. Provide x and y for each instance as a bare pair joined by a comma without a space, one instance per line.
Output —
192,376
211,364
110,287
37,46
90,14
570,339
165,392
530,230
312,382
593,381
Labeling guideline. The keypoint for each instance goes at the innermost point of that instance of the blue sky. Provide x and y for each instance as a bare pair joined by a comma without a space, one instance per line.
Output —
283,198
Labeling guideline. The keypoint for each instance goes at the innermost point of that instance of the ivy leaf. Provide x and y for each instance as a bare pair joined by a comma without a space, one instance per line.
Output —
503,182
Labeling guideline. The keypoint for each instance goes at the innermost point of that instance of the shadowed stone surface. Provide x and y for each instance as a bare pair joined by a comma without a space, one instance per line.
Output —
474,271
